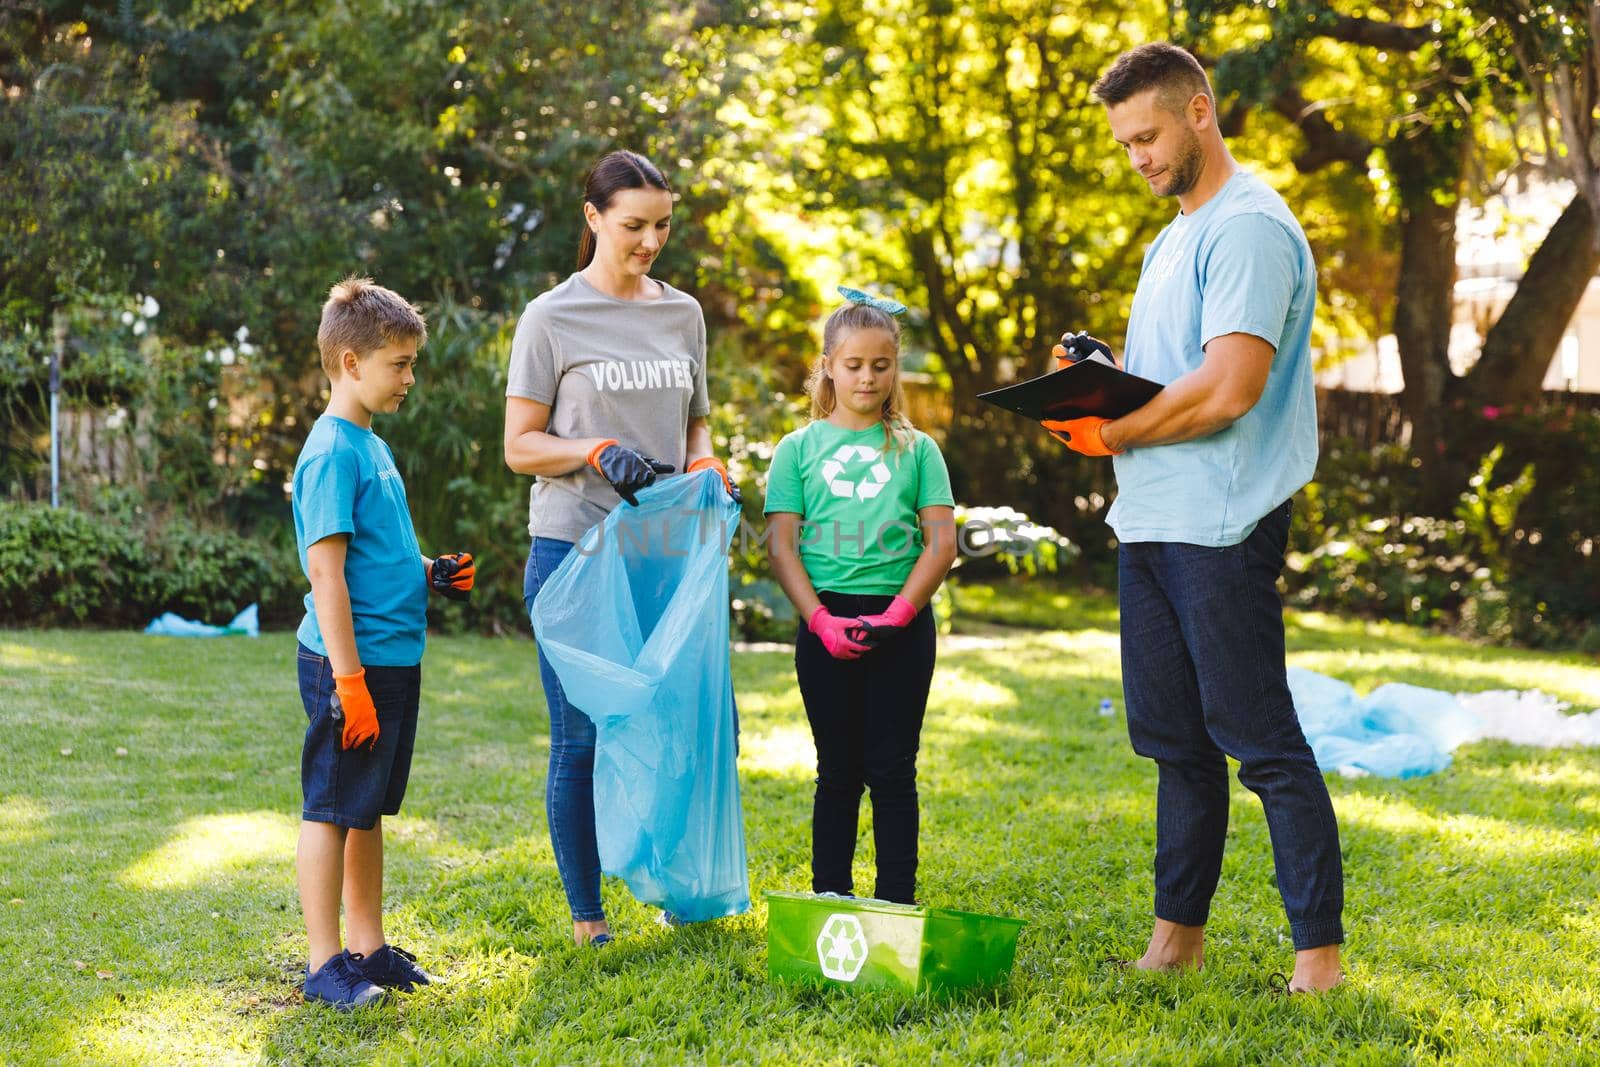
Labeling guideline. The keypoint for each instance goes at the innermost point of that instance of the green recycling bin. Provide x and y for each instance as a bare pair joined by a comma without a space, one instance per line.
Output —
873,944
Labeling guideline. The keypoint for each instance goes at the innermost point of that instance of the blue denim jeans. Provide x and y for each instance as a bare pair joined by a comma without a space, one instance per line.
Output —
569,785
1203,675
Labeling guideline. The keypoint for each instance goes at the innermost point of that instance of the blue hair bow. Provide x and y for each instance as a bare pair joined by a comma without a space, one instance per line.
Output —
883,304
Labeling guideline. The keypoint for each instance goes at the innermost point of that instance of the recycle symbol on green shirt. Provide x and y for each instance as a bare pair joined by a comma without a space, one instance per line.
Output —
842,947
861,484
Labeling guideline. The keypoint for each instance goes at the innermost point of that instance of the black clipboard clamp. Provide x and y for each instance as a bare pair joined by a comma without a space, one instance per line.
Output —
1087,387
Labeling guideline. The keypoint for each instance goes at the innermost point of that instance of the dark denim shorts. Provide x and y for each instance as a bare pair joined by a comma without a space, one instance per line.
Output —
352,787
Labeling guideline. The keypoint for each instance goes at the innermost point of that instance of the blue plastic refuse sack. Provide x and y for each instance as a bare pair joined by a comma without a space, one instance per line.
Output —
168,624
1397,731
1430,713
635,623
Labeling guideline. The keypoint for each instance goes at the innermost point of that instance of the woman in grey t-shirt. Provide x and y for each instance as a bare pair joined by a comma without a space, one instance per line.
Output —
606,389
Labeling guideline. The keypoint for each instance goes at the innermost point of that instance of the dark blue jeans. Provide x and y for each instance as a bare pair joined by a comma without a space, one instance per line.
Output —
569,785
1203,675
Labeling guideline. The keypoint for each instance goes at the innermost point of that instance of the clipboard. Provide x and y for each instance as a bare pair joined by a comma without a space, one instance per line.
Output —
1088,387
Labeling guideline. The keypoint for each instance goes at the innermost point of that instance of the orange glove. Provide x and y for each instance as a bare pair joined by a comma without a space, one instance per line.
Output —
360,716
1082,435
715,464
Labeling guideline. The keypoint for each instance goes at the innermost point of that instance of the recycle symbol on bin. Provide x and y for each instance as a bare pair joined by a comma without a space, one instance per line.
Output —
842,947
851,458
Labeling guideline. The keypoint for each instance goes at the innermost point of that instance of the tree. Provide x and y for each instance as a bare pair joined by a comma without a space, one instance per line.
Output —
276,148
1472,81
954,155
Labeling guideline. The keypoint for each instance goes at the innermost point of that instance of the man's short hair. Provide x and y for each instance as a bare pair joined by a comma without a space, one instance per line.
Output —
1176,76
363,316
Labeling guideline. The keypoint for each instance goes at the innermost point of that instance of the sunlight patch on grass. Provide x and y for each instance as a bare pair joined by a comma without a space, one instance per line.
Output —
959,722
1317,620
175,1027
964,688
411,828
212,845
1498,838
765,702
1559,775
1079,641
785,750
14,655
1584,925
19,819
1091,808
1087,653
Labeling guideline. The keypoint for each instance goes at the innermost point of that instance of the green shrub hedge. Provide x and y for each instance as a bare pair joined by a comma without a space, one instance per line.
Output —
64,567
1516,560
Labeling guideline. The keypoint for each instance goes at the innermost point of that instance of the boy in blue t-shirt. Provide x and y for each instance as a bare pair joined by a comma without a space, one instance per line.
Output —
361,641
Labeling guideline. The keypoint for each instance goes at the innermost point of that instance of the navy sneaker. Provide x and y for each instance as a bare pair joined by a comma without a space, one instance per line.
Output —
392,968
337,982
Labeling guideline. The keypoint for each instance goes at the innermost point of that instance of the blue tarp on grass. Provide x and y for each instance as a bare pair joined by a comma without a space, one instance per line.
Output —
244,624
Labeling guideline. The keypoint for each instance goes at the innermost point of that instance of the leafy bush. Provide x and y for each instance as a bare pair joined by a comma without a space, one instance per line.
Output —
1550,551
761,610
61,566
1515,561
446,443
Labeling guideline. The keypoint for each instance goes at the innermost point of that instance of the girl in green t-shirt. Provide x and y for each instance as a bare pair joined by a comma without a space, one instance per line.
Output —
863,532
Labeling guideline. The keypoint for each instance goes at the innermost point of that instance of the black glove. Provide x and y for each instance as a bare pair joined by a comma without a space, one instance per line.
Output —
626,470
452,574
1075,347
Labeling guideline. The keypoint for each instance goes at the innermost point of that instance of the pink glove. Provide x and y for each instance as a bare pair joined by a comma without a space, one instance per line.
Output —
831,631
873,630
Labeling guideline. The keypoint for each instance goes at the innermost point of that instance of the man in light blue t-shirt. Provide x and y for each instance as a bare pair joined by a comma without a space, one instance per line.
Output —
1205,473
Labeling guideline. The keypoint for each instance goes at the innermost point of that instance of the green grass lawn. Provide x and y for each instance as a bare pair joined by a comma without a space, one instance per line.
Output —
149,805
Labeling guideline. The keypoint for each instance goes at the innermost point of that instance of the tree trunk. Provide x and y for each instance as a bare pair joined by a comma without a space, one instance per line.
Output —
1427,170
1521,343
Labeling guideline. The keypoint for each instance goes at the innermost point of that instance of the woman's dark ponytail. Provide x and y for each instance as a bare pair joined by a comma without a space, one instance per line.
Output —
617,171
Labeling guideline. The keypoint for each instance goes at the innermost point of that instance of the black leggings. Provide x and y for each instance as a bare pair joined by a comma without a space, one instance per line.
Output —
866,718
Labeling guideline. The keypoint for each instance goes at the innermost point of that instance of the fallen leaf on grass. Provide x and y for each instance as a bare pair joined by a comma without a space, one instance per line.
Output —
121,751
79,965
16,900
108,975
66,752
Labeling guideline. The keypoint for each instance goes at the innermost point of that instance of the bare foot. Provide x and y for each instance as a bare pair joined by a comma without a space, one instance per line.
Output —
584,932
1174,947
1316,970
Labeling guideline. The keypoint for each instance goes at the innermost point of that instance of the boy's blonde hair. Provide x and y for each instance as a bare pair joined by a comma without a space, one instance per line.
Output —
363,316
842,323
